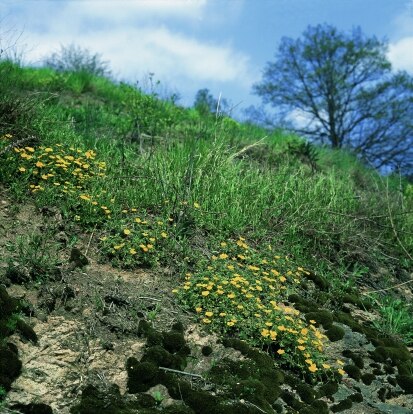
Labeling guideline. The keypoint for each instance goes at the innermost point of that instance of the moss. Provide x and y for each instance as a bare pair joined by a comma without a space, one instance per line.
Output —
306,393
159,356
141,375
356,300
291,380
322,317
335,333
348,320
178,389
252,390
388,369
368,378
202,402
356,358
405,368
206,350
271,376
357,397
303,305
26,331
342,405
10,366
406,383
278,408
308,410
392,381
358,361
153,337
93,400
144,327
291,401
33,408
262,359
382,394
142,400
178,409
395,355
320,406
328,389
353,371
173,341
318,280
178,327
237,344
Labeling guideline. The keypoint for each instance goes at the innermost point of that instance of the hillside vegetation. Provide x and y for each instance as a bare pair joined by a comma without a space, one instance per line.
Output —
269,242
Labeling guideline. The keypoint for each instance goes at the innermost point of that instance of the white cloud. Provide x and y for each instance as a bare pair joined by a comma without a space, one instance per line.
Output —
400,54
136,10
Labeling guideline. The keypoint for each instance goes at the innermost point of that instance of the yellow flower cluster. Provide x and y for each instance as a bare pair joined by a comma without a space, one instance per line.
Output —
64,167
133,241
242,291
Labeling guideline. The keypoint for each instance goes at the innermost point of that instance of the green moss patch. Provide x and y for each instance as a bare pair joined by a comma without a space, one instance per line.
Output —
335,333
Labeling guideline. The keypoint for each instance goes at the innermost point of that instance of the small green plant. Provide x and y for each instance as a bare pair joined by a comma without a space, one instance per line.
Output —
396,319
33,256
3,394
158,397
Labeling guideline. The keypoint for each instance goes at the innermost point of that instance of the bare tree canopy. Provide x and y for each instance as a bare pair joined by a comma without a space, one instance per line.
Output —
342,85
74,58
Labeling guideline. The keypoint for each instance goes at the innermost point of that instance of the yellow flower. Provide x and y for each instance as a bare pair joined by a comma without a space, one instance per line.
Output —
282,279
230,323
281,351
138,220
273,335
265,333
39,164
222,314
281,327
205,293
223,256
132,251
326,366
341,371
304,331
209,314
340,362
199,309
48,150
313,368
118,246
164,235
196,205
301,347
231,295
22,169
30,149
206,320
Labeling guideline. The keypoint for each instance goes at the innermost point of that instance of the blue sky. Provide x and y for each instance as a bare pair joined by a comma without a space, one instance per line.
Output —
221,45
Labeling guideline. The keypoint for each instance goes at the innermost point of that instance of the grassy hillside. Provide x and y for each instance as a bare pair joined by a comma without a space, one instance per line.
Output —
256,226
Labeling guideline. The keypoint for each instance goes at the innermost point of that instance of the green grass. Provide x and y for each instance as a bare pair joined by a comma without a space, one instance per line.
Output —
163,185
